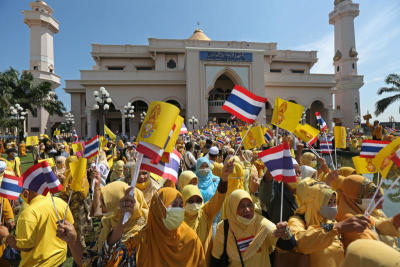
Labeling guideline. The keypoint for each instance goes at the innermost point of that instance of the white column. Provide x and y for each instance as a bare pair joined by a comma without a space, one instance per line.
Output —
91,127
123,122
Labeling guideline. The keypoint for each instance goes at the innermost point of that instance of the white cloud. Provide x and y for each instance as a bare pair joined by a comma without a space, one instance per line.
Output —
374,80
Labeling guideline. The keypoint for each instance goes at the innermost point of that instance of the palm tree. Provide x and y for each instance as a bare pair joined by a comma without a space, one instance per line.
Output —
394,81
21,89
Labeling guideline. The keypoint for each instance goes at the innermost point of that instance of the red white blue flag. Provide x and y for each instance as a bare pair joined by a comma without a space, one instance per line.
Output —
279,163
370,148
10,187
183,130
268,136
166,170
326,146
41,179
75,136
321,122
244,104
92,147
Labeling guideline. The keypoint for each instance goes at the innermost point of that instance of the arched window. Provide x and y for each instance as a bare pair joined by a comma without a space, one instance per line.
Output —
174,102
171,64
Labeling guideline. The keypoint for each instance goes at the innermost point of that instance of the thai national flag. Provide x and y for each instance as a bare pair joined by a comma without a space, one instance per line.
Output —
166,170
41,179
326,146
207,133
321,122
370,148
279,163
11,187
75,136
239,140
183,130
221,142
92,147
244,104
153,152
396,158
267,136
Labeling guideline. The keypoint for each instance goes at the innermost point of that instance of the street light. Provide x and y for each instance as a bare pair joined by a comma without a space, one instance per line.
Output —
193,121
129,109
142,116
17,113
103,101
69,117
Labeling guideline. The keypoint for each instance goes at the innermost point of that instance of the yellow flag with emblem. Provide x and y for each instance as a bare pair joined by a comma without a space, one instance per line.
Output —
108,132
158,123
306,133
286,114
340,137
77,147
32,141
363,165
382,160
49,160
79,182
254,138
45,136
174,137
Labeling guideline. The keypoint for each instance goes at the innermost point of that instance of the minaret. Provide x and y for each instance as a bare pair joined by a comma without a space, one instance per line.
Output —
347,95
42,26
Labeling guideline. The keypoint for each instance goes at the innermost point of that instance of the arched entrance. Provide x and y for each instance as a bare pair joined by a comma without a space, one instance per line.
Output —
134,124
316,106
216,98
176,104
268,112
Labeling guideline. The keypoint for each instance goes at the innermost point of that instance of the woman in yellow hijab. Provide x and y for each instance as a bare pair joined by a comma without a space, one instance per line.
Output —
147,185
312,224
166,240
110,197
370,253
200,216
251,234
187,177
309,159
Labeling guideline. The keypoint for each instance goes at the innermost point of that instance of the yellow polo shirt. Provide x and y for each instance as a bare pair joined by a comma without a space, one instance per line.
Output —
36,229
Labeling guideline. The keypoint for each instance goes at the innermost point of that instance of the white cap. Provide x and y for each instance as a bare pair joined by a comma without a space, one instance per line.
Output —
3,166
213,151
128,144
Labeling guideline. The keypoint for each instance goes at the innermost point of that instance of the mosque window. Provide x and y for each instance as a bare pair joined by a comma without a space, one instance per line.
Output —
353,66
337,69
275,70
35,67
144,68
171,64
298,71
34,129
115,68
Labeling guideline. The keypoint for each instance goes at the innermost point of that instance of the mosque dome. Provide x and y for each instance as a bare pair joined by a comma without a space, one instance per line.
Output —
198,34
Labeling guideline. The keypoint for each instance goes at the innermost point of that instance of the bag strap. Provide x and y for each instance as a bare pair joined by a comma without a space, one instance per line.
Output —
226,229
240,254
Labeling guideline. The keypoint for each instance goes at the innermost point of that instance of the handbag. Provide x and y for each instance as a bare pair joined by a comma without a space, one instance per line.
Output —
11,254
223,261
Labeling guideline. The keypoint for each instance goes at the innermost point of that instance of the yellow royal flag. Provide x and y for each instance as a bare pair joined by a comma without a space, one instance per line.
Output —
79,182
45,136
158,123
363,165
56,132
49,160
174,137
306,133
340,137
382,160
108,132
286,114
103,141
254,138
32,141
77,147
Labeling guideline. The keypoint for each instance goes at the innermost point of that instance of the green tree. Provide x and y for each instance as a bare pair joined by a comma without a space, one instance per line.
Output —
393,80
22,89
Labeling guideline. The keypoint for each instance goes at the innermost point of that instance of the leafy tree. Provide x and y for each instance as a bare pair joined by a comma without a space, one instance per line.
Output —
393,80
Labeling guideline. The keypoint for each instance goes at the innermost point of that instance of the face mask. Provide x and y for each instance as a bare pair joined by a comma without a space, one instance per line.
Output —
143,186
174,218
365,203
193,208
244,220
328,213
14,155
204,172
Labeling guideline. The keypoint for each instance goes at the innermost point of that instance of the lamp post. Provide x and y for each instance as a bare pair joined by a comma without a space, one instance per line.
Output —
129,109
103,101
18,113
69,117
142,116
193,121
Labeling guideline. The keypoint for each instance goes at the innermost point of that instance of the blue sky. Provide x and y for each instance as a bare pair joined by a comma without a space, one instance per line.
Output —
293,24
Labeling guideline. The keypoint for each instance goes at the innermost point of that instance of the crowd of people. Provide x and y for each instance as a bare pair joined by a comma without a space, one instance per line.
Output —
226,209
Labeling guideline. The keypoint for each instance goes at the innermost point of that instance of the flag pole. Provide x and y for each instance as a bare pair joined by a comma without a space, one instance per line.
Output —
335,156
281,202
373,197
330,154
54,205
383,197
69,200
97,162
276,135
133,183
244,136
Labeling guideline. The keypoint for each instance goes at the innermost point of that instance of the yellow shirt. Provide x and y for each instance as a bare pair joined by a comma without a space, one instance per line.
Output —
36,230
15,166
7,217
